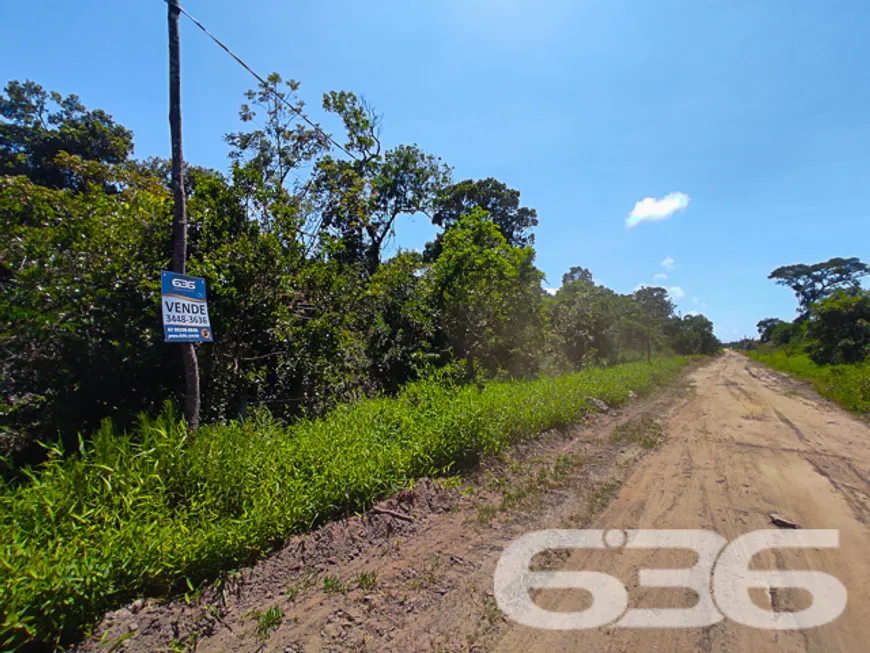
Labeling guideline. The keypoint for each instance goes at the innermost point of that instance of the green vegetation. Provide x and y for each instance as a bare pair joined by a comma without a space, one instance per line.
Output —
564,464
267,622
310,305
342,368
813,283
848,385
154,509
367,580
839,331
829,342
333,584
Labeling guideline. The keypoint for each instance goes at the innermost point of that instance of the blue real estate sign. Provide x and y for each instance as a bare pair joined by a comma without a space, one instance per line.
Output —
185,313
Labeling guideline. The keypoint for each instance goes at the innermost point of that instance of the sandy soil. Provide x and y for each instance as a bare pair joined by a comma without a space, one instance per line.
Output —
741,442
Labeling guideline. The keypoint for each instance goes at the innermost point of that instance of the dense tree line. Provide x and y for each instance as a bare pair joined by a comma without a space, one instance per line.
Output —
308,304
833,322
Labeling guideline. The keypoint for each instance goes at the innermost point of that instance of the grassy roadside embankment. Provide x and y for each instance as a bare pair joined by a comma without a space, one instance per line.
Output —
848,385
157,510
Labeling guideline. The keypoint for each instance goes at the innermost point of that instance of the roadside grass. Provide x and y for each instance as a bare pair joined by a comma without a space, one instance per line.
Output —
156,510
848,385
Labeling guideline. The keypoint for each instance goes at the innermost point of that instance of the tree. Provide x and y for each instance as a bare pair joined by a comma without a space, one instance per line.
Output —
654,307
283,142
248,267
590,320
812,283
693,334
360,200
766,326
263,159
575,274
787,332
37,126
501,203
79,303
400,321
654,302
839,330
488,298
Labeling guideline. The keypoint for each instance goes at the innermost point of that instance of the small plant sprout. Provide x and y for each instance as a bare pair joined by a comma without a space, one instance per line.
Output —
332,584
367,580
267,622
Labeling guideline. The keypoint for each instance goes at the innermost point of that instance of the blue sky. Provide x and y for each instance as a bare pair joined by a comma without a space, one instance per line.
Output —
757,113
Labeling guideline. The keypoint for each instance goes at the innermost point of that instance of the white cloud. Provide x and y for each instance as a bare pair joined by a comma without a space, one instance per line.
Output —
694,300
551,291
660,275
676,292
650,209
668,263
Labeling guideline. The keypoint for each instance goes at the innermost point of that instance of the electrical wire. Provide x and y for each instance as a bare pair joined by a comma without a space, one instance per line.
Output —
266,85
260,79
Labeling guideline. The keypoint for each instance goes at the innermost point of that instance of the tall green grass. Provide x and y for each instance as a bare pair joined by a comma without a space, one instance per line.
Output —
152,511
848,385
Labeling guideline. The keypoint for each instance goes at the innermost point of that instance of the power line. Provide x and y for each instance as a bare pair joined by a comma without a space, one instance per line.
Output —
279,97
261,80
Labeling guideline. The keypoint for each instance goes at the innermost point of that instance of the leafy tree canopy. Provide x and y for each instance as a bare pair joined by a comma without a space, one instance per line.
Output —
595,324
812,283
693,334
654,302
787,332
501,203
839,330
486,293
36,126
360,200
575,274
766,326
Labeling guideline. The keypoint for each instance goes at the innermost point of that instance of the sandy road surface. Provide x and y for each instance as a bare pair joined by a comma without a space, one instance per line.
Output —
741,442
743,446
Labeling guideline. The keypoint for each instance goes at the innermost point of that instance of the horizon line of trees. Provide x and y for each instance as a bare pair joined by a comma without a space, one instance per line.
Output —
306,308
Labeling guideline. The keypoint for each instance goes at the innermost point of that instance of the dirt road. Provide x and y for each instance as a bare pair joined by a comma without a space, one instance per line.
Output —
740,442
744,446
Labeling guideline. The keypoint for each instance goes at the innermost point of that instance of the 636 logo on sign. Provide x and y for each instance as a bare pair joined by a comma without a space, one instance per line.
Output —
721,578
186,284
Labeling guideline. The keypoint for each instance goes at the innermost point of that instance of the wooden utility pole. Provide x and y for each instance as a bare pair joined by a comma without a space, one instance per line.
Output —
179,222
